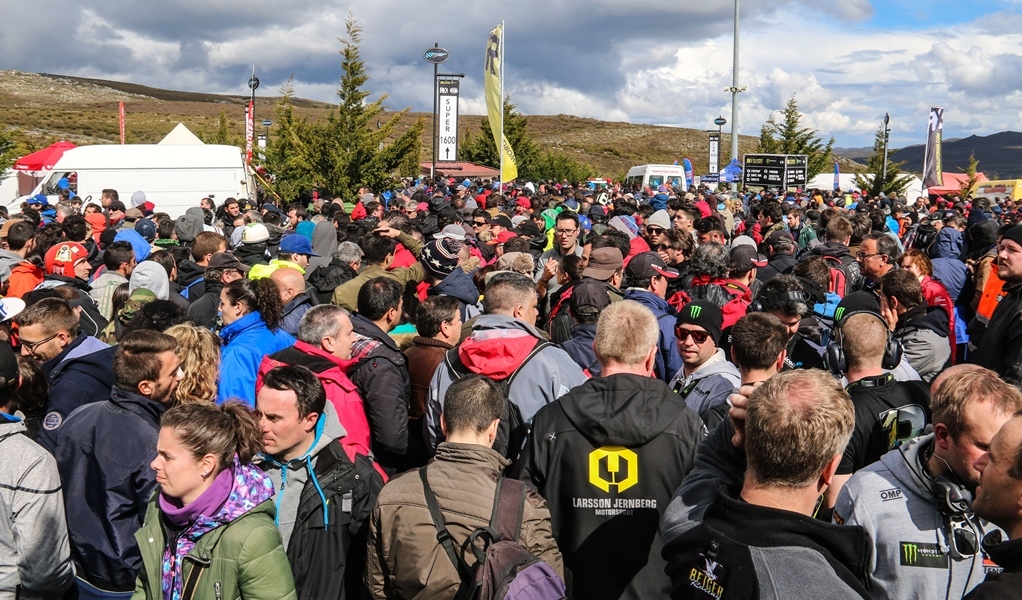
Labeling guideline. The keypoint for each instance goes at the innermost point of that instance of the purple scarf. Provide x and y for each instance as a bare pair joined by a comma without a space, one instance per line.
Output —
207,504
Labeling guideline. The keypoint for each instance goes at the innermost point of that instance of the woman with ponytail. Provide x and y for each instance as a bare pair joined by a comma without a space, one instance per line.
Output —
209,531
251,310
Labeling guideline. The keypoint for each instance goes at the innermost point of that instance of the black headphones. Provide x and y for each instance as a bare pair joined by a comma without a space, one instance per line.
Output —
837,362
778,300
950,497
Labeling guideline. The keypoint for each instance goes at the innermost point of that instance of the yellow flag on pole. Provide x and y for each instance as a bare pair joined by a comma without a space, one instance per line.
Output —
493,73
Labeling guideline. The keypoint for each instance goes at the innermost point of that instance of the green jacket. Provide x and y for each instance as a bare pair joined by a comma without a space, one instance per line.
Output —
244,559
346,294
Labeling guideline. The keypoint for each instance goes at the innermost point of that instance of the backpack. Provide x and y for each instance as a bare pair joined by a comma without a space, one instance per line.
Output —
185,291
504,570
839,279
921,237
513,429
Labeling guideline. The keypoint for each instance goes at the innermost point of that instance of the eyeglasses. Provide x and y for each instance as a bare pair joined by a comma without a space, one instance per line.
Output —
654,230
697,336
863,256
565,231
664,248
33,345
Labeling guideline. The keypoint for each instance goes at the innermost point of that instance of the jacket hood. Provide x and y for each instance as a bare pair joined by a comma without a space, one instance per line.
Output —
9,258
324,243
835,249
10,425
650,300
622,409
150,276
907,467
949,244
933,318
253,320
497,345
717,365
458,284
983,235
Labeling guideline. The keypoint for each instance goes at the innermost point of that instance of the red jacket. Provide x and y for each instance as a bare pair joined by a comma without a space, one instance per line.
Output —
936,294
340,391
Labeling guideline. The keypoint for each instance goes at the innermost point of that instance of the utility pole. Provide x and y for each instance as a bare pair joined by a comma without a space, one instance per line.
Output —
887,136
735,90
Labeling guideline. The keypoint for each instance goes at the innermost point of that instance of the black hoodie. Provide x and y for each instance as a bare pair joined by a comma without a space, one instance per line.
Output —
608,456
837,250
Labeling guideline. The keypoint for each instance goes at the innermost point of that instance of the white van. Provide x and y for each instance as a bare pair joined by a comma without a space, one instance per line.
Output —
653,176
174,178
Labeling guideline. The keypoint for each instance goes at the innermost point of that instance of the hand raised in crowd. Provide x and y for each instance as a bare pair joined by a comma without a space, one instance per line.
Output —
550,269
387,232
739,406
888,313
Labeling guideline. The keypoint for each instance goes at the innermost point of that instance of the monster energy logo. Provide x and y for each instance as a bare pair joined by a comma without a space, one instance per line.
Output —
910,553
837,314
693,311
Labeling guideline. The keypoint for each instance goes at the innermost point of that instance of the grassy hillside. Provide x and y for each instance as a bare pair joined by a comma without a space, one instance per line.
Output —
47,108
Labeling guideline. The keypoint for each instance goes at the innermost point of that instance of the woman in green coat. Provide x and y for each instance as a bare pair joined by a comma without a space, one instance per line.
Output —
209,531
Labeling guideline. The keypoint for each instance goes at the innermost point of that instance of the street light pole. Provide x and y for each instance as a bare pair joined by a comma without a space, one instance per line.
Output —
887,135
735,90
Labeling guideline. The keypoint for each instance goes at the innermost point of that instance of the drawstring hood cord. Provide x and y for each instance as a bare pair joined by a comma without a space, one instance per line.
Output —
307,459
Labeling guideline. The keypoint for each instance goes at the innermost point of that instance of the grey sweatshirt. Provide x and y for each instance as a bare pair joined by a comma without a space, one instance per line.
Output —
298,474
34,551
893,500
709,385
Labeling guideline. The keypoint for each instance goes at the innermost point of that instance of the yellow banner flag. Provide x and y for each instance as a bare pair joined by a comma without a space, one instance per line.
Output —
493,71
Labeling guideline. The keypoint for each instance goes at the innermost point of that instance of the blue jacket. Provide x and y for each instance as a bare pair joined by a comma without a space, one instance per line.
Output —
580,348
668,358
947,266
81,374
293,313
246,342
459,285
103,453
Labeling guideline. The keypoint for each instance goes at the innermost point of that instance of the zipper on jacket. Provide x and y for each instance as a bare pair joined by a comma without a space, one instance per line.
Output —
217,590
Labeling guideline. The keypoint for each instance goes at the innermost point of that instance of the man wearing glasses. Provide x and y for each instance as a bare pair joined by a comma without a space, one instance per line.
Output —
707,378
876,257
915,501
566,232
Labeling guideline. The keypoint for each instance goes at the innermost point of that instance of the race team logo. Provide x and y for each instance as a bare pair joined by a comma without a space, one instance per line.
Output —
693,311
917,554
837,314
613,466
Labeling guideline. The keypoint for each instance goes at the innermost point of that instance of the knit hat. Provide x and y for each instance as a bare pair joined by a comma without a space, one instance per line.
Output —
1014,234
187,226
138,199
150,276
146,229
705,314
440,257
659,219
856,302
254,233
62,258
8,365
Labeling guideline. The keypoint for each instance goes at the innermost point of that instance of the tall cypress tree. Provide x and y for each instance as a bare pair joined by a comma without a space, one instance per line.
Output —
875,182
789,137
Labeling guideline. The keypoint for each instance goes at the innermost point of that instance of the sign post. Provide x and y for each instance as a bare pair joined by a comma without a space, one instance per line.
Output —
714,169
435,56
447,132
775,170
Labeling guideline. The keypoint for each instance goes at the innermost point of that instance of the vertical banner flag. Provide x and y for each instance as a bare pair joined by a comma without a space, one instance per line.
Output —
120,117
837,176
714,153
933,175
249,129
688,171
447,133
493,74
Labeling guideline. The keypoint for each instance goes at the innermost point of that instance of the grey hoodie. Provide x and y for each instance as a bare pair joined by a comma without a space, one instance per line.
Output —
893,500
290,493
709,385
34,551
102,291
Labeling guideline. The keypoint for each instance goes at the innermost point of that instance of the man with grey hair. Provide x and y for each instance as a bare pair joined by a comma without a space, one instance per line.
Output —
343,267
621,424
505,346
323,345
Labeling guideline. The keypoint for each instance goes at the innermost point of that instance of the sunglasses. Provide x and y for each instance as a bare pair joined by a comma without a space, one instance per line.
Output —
963,538
478,223
697,336
663,248
654,230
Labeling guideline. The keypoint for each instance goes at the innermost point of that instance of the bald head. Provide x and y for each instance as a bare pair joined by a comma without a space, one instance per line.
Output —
290,281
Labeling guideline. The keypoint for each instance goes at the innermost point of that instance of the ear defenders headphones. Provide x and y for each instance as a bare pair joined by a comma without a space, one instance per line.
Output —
951,498
777,300
838,363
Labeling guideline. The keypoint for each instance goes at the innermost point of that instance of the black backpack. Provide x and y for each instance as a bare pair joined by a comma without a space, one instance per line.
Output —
513,429
503,568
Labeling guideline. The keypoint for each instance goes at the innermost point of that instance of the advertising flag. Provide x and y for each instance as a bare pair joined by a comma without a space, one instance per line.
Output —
249,130
837,176
688,171
933,175
120,117
493,75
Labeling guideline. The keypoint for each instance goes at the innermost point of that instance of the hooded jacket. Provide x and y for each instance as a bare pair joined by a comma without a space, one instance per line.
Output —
241,556
328,277
25,276
458,284
252,254
188,273
80,374
948,268
779,264
103,454
1008,555
497,346
1001,349
893,500
340,391
294,310
623,419
856,280
324,243
580,348
35,559
102,291
709,385
668,358
245,343
464,479
923,332
203,310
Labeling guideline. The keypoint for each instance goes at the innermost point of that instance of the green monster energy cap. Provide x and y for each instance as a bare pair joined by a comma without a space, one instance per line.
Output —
705,314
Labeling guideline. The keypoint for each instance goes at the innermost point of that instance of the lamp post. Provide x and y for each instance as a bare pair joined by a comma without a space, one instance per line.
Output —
435,56
887,136
720,122
735,89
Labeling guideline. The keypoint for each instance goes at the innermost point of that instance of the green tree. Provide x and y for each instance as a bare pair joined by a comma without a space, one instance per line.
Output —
971,178
353,148
13,145
222,134
482,150
551,164
789,137
874,180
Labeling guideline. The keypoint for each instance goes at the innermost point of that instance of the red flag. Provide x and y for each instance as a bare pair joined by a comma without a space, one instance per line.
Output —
121,118
249,128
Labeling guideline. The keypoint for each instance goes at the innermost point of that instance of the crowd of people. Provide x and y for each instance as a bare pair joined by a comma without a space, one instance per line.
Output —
569,390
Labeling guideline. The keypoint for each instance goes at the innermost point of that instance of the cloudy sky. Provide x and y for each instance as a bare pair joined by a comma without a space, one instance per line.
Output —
655,61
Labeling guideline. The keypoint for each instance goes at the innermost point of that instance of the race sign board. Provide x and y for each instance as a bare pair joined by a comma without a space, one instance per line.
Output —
775,170
447,132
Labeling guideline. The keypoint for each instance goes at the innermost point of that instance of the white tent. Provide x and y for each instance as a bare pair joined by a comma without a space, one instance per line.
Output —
181,136
825,181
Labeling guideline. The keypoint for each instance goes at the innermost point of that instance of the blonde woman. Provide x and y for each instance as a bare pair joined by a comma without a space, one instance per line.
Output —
198,349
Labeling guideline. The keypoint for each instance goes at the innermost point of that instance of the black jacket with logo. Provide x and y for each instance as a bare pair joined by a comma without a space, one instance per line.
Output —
608,457
1003,585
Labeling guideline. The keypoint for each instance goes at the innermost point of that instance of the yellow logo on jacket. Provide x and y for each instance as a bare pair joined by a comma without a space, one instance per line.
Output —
613,466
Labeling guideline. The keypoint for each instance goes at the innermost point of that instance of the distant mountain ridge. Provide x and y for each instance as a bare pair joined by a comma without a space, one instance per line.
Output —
999,155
